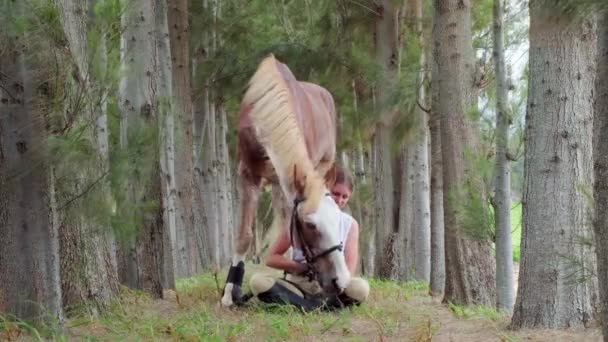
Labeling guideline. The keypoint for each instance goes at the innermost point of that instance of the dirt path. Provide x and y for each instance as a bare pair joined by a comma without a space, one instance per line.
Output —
393,312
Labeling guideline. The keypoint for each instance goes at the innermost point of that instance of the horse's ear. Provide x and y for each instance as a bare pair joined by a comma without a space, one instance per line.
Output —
299,181
330,176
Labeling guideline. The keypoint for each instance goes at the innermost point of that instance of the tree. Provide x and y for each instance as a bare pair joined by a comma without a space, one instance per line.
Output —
179,30
469,267
421,190
87,242
146,137
600,158
29,255
437,283
213,165
502,199
555,289
386,45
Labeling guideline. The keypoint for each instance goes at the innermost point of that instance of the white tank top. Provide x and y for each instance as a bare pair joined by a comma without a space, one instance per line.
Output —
346,222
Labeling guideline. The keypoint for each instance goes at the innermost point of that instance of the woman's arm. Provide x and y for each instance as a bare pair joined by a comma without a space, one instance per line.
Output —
276,259
351,248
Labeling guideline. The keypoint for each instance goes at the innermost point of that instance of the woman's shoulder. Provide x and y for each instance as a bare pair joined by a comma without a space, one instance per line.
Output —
346,217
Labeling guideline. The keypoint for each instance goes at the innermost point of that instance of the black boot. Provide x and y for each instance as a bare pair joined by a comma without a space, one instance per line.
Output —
337,302
235,277
279,294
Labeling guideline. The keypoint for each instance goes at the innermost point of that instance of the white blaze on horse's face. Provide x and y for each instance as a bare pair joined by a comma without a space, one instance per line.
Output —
326,219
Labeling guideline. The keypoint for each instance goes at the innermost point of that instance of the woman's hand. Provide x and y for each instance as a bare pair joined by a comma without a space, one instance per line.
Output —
277,260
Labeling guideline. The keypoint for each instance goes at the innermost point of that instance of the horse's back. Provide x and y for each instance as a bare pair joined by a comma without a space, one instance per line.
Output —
316,116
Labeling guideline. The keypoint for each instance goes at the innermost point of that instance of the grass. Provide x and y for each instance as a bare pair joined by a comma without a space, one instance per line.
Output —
516,227
476,311
394,311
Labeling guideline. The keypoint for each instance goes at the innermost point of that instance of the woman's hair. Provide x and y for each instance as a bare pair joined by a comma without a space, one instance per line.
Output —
343,177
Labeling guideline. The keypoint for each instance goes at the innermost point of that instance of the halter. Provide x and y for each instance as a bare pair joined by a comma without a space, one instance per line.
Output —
308,254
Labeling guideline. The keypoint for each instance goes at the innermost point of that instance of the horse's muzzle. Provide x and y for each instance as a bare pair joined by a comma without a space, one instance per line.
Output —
336,288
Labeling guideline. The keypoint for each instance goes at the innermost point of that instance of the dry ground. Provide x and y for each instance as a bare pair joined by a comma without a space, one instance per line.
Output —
394,312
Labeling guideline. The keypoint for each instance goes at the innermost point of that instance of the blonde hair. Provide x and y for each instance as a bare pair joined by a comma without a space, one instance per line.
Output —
274,119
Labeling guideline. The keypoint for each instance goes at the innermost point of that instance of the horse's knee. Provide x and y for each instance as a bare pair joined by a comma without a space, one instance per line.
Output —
243,242
260,283
358,289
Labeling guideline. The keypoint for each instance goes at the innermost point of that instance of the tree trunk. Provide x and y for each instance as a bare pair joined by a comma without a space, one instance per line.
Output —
421,188
29,253
405,253
386,44
201,199
470,270
225,187
555,290
163,94
437,229
213,164
505,289
179,30
600,158
146,113
87,244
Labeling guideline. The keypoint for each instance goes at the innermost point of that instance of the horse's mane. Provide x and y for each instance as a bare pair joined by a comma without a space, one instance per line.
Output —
273,115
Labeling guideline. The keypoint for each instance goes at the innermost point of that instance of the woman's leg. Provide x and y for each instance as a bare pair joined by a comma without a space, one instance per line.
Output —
278,291
358,289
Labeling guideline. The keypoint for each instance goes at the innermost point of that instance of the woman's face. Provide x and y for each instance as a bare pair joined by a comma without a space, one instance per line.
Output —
341,193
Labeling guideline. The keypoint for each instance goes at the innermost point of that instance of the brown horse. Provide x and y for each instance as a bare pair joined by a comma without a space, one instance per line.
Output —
287,139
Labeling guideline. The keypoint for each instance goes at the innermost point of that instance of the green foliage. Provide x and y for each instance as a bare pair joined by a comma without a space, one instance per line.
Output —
573,9
469,199
482,16
480,311
516,228
328,43
134,172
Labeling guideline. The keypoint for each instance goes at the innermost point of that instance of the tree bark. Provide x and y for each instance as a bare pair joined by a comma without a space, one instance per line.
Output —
555,290
437,284
421,189
470,270
386,45
204,213
144,91
29,253
505,289
405,252
600,158
179,30
87,244
225,201
163,94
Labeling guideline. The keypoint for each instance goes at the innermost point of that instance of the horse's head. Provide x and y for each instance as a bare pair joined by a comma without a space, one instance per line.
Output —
318,228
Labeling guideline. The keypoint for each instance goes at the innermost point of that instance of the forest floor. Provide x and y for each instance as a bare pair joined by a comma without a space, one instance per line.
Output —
394,312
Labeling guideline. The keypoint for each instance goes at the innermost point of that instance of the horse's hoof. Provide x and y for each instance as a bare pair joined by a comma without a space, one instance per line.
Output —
227,297
232,295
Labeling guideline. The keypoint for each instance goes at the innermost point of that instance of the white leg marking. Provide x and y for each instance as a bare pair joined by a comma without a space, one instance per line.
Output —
236,258
227,298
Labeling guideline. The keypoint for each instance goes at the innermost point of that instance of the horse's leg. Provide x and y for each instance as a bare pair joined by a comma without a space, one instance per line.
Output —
249,187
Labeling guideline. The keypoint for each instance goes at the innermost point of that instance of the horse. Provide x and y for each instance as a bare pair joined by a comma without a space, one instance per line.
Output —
286,135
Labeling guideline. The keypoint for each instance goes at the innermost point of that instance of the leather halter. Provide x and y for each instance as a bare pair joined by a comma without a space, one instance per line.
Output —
308,254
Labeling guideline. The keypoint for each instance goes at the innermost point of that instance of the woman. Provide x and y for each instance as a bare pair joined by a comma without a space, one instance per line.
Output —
296,288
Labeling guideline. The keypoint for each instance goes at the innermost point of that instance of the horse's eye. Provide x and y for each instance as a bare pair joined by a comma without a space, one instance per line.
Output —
310,226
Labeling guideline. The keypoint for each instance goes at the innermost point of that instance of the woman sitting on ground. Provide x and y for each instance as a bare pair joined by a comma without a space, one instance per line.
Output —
296,288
